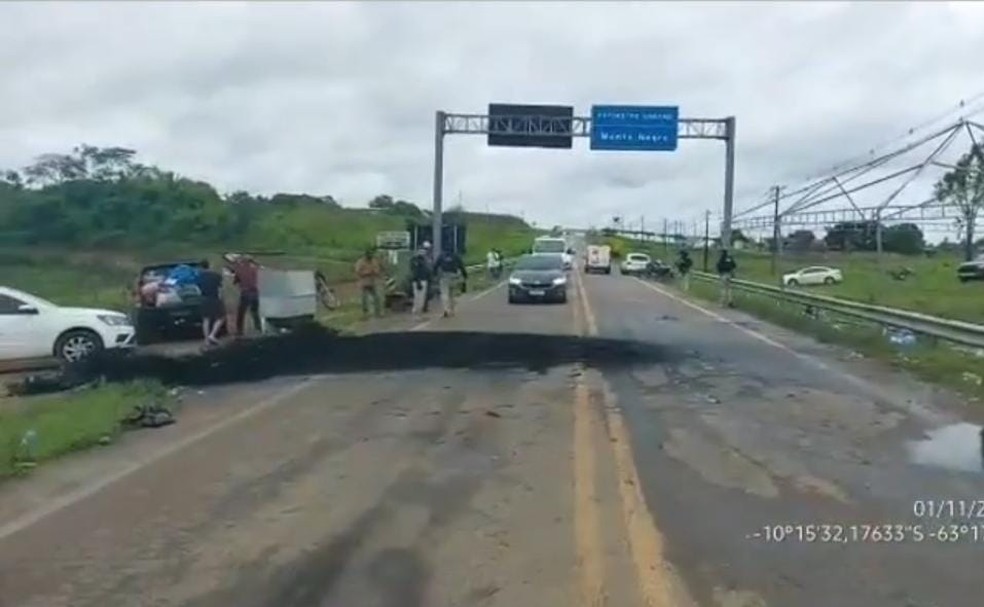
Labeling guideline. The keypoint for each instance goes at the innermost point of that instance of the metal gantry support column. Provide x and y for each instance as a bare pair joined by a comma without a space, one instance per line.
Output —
438,182
729,181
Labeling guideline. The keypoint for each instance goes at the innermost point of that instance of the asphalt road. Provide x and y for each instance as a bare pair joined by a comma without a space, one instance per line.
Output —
660,481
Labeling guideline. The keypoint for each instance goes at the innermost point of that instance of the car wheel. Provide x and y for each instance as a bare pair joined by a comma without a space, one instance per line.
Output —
512,299
75,345
792,282
828,280
562,299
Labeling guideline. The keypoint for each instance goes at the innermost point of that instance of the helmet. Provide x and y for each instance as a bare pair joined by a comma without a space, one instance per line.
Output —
427,244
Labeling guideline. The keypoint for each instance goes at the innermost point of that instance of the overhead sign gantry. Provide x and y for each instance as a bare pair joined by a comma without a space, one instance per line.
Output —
626,128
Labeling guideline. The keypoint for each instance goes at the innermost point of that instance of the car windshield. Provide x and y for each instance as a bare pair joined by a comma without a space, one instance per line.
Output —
549,246
637,257
27,298
540,263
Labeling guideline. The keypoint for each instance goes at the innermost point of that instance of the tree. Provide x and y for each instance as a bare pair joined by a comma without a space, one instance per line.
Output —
382,202
963,187
852,236
800,240
904,238
52,169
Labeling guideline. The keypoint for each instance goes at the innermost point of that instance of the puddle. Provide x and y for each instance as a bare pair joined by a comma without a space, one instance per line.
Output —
956,447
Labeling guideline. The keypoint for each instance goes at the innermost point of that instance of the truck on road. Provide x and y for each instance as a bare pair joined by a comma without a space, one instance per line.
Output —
598,259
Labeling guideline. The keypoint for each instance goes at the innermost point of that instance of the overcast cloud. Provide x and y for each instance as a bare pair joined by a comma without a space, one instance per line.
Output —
339,98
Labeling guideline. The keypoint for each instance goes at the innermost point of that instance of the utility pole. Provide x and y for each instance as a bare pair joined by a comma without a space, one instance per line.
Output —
642,227
707,237
666,245
776,230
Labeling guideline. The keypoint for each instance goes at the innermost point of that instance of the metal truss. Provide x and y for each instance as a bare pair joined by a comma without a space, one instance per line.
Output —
838,184
578,126
924,213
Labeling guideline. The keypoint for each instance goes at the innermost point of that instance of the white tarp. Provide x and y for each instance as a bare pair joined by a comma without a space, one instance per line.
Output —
287,293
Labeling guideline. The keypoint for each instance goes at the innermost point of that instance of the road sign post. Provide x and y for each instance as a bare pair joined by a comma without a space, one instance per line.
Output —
636,128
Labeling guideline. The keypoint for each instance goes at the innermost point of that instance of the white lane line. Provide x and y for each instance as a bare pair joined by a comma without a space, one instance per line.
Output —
812,360
11,527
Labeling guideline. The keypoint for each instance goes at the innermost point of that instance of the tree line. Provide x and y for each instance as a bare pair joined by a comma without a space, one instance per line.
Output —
105,197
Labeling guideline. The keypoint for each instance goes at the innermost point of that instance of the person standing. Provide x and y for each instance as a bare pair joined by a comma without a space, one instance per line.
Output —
246,276
213,307
494,264
368,270
420,279
448,267
726,267
684,264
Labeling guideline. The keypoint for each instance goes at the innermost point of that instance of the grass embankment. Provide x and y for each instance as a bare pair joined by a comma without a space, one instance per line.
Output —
932,288
325,239
68,422
931,360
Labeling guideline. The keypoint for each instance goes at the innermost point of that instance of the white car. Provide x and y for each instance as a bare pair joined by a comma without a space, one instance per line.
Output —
816,275
34,328
635,263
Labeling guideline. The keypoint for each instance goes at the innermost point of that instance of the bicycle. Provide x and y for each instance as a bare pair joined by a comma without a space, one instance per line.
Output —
326,294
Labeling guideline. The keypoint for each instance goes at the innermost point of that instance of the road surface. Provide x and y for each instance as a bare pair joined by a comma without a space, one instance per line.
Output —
664,480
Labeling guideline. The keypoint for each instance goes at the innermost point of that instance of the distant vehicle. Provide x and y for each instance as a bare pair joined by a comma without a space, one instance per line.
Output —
163,309
971,270
34,328
553,245
598,259
635,263
658,270
816,275
539,277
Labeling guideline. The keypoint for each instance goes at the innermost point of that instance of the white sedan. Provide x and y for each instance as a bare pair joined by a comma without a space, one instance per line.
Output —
816,275
635,263
34,328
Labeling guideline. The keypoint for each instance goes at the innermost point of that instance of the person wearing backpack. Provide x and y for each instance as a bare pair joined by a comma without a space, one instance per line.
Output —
420,280
726,267
684,264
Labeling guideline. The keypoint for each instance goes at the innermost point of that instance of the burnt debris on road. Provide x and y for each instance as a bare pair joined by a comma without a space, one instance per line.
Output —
321,350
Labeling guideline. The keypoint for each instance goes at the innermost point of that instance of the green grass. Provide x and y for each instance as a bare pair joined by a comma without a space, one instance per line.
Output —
68,422
936,362
932,289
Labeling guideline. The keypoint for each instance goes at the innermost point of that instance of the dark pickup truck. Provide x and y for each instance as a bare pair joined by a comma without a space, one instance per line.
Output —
971,270
165,312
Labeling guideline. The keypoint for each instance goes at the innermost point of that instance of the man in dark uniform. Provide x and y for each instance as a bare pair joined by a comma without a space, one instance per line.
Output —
726,267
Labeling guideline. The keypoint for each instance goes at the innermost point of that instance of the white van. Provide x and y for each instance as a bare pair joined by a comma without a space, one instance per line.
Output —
598,259
553,245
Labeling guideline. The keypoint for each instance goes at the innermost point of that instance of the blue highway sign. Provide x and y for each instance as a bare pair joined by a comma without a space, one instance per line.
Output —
637,128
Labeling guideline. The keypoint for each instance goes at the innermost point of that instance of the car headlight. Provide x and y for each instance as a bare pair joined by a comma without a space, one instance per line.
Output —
559,281
515,281
115,320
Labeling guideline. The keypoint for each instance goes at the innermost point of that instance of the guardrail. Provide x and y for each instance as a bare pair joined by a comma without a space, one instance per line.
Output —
957,331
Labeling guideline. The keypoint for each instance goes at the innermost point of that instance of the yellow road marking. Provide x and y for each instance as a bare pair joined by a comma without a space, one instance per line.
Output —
657,584
587,519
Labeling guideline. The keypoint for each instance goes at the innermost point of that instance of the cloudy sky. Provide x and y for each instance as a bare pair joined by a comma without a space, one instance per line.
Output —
339,98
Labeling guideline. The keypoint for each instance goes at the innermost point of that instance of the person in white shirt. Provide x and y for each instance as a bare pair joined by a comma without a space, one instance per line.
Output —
494,263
